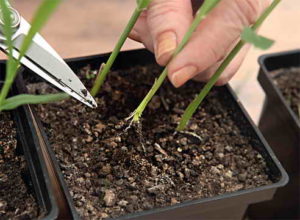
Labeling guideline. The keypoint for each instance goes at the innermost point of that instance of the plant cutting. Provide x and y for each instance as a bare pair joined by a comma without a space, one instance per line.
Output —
105,67
279,78
248,35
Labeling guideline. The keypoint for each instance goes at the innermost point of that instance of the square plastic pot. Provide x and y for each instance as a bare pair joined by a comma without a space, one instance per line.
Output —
231,205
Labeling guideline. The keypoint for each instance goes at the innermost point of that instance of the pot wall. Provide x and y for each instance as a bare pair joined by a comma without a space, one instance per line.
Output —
281,128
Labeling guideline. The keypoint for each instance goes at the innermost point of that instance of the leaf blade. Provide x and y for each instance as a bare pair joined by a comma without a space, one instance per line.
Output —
18,100
250,36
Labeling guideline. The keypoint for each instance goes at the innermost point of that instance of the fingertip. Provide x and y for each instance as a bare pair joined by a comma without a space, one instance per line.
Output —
163,59
175,80
165,46
181,76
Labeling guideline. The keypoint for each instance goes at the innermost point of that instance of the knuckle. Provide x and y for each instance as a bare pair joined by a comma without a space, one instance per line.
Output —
162,8
248,10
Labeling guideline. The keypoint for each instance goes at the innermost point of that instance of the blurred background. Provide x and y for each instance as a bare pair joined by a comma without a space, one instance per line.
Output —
86,27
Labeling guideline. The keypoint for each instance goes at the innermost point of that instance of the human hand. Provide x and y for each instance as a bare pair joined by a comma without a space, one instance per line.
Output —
163,25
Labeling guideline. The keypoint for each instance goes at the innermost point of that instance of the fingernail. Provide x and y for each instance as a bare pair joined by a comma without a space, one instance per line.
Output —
183,75
167,43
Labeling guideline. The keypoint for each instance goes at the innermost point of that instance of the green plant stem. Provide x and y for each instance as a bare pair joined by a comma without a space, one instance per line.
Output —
197,101
139,111
103,73
201,14
15,101
11,63
11,73
4,90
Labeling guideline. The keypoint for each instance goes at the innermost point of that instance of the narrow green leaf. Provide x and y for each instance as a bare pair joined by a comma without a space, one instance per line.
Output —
8,32
142,4
249,36
15,101
41,16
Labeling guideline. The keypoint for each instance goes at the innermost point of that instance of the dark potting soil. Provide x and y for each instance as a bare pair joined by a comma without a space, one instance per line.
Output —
111,171
16,199
288,81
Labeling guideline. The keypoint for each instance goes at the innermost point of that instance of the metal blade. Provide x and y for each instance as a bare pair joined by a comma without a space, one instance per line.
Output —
42,59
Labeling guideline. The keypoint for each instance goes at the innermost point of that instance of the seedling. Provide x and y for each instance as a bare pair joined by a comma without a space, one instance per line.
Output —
105,68
248,36
43,13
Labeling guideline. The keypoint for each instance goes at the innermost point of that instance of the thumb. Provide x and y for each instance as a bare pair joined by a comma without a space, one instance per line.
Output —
168,21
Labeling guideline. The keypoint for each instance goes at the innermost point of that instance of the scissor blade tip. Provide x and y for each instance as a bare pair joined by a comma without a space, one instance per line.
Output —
89,103
92,102
94,105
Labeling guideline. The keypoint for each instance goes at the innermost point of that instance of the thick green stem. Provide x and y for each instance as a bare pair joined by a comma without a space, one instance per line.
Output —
197,101
103,72
201,14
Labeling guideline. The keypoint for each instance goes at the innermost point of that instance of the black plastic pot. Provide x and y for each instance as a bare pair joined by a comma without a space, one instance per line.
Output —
37,176
231,205
281,128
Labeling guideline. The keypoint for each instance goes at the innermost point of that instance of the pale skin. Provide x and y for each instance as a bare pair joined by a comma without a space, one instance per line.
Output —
162,26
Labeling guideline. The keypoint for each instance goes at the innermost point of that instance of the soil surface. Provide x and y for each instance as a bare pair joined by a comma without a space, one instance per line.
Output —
111,171
288,81
16,199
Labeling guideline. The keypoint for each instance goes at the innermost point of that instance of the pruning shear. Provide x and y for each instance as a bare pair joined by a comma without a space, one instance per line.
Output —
42,59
